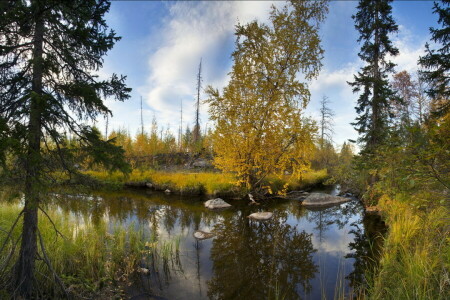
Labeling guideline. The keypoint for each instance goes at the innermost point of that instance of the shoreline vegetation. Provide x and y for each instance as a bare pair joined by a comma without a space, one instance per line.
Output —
92,261
209,183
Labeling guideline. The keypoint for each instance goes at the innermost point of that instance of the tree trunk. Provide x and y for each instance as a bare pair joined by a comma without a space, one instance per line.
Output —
24,268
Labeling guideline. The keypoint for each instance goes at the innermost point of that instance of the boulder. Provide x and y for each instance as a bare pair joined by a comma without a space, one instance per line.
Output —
322,199
149,185
265,215
167,191
216,203
203,235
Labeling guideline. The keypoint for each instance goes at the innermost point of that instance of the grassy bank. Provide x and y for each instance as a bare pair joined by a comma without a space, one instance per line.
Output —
415,262
90,260
210,183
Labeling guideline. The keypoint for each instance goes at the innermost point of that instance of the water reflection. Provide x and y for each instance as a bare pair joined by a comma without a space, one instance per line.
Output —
299,254
260,260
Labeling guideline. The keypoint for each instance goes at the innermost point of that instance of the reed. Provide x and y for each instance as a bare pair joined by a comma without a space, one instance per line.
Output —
415,262
91,260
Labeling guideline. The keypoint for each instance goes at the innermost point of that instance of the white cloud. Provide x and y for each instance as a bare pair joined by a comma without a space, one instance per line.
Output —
193,31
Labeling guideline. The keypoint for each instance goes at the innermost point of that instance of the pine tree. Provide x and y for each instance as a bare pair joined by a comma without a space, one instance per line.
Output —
436,62
49,51
374,23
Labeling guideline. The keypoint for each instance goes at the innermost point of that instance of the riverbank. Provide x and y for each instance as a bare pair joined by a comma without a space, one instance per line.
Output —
202,183
92,261
415,260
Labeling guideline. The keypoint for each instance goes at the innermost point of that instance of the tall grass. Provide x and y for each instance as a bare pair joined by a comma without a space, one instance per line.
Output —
90,260
415,262
180,182
288,183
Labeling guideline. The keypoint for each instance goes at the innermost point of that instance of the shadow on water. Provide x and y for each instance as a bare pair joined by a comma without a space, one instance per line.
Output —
298,254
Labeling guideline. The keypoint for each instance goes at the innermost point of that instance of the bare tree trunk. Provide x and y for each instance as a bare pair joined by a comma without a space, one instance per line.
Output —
197,110
25,266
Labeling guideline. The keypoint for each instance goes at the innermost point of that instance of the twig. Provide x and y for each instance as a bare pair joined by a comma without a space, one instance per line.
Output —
10,231
47,261
11,253
53,224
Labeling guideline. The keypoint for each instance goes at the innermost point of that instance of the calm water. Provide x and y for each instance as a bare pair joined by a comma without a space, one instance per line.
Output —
299,254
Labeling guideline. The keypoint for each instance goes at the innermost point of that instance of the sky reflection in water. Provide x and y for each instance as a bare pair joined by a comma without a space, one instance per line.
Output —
299,254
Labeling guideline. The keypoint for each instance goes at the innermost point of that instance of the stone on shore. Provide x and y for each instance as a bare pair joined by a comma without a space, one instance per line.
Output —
266,215
322,199
203,235
216,204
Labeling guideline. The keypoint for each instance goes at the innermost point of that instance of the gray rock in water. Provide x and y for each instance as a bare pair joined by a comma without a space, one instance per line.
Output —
149,185
216,203
167,191
322,199
203,235
261,215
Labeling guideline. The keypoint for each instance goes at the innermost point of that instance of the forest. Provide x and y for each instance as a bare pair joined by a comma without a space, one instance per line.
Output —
95,212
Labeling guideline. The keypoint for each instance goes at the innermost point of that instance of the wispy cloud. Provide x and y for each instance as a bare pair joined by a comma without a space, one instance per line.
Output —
194,30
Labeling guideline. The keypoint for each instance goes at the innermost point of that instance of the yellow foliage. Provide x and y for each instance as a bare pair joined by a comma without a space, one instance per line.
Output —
258,120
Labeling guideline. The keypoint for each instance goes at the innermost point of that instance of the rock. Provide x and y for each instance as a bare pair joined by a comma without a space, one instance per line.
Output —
144,271
216,203
261,215
203,235
322,199
149,185
167,191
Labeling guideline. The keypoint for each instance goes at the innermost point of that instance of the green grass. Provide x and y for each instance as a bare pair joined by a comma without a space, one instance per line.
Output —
415,262
91,260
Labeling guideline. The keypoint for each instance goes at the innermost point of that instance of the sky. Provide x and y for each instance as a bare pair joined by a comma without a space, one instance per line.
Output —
162,44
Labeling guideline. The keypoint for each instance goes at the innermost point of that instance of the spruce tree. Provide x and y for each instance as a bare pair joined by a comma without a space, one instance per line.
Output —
436,62
374,23
49,51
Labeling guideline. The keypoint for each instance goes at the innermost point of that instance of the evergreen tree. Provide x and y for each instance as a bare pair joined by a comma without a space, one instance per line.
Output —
374,23
436,62
48,53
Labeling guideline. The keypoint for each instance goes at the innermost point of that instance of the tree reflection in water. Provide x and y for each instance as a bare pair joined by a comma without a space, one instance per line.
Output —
246,259
260,260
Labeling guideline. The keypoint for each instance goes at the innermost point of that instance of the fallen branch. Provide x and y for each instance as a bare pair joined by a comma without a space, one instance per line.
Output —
53,224
48,263
250,196
10,231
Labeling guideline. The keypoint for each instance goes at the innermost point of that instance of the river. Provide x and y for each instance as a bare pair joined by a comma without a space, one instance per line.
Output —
299,254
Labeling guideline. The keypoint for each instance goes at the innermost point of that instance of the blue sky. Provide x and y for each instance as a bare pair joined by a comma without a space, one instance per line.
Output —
162,43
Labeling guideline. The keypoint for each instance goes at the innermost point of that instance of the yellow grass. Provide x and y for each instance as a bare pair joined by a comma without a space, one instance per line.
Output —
203,182
211,183
416,258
